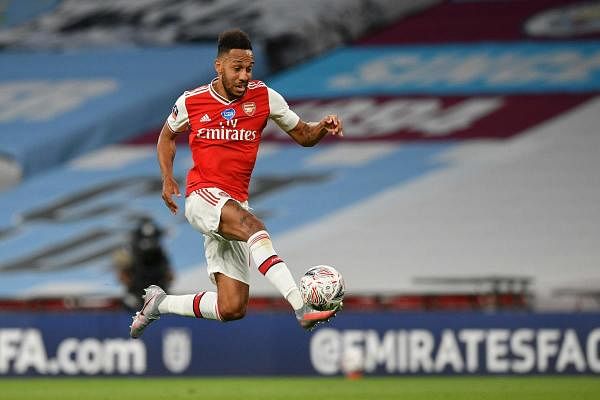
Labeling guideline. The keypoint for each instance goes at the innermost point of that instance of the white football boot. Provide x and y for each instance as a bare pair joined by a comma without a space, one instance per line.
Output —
149,312
309,318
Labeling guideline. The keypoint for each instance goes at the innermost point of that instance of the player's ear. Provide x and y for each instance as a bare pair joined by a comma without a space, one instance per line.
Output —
219,66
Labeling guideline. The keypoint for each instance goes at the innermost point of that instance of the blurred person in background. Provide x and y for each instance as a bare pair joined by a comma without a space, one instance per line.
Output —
142,262
224,120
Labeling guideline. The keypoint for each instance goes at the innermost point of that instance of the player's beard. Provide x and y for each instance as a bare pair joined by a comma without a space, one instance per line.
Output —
229,87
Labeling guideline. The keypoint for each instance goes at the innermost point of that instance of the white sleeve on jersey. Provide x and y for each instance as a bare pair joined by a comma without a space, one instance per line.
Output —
178,120
280,111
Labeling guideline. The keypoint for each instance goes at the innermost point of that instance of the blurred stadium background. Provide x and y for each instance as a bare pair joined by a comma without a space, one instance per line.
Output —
461,206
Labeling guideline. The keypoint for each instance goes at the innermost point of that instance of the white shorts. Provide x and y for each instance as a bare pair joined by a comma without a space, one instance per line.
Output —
229,257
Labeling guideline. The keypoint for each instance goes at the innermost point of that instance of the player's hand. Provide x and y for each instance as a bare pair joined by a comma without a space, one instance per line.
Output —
170,188
333,124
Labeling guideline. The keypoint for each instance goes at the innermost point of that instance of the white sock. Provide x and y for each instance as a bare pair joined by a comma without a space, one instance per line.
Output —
201,305
273,268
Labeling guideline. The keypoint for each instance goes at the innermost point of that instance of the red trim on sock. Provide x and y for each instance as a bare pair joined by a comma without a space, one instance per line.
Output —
268,263
197,299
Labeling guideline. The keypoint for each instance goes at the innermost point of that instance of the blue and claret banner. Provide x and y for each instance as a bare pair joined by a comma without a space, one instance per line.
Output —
273,344
448,69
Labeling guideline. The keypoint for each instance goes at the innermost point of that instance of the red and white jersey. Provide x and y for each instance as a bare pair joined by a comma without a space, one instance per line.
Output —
225,134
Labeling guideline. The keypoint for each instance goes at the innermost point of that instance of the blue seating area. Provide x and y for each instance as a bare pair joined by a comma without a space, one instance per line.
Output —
58,105
459,159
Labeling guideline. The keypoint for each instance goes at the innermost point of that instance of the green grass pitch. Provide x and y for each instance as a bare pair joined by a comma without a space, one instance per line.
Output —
368,388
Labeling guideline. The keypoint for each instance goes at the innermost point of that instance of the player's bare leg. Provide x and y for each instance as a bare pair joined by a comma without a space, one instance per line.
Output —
228,304
238,223
232,298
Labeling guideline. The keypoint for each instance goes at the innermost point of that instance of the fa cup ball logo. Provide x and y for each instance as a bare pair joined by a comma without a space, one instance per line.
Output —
177,350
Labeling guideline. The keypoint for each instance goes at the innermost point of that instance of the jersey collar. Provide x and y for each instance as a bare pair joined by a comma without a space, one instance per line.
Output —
217,96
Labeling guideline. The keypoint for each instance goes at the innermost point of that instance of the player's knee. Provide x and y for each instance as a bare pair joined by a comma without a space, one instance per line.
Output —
231,313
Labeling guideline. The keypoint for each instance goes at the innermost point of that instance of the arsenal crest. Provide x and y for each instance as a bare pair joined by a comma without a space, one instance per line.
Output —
249,108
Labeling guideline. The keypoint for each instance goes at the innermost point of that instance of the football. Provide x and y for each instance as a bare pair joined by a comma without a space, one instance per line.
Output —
322,287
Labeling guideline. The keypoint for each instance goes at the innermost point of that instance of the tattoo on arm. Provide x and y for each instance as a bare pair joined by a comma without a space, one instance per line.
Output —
243,213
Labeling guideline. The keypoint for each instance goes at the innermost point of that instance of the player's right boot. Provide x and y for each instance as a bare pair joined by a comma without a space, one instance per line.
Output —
308,317
149,312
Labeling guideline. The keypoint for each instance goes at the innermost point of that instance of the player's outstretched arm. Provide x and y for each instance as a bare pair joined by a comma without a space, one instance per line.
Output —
308,134
166,148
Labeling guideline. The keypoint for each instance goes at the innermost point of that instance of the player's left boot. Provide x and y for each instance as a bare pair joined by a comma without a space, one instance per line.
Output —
149,312
309,318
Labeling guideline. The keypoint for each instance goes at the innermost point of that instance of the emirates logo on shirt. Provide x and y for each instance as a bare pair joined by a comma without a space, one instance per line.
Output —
228,131
249,108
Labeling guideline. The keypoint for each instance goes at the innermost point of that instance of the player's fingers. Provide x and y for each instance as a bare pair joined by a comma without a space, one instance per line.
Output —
340,127
335,126
171,186
335,120
332,120
172,206
169,202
